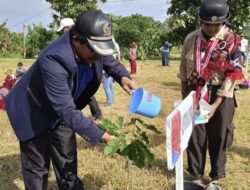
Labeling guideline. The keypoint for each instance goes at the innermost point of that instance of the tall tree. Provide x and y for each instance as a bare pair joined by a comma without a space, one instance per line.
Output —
148,33
38,38
71,8
10,43
184,17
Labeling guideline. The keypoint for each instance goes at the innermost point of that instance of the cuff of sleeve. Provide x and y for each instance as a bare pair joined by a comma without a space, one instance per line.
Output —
227,88
98,138
225,93
119,79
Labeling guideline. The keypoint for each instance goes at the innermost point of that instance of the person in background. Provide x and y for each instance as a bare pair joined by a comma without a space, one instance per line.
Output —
248,56
20,71
243,49
54,91
108,80
132,57
165,50
211,64
65,25
95,110
8,84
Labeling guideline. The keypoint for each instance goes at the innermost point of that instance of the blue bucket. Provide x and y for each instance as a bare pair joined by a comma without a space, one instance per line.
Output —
144,103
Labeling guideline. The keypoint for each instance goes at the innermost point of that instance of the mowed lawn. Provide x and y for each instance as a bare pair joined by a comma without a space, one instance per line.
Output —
100,172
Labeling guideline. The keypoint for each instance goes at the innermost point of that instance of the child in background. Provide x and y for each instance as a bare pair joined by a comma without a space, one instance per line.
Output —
132,57
20,71
8,84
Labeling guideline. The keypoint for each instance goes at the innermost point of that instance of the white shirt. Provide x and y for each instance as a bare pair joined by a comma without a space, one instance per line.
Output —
243,44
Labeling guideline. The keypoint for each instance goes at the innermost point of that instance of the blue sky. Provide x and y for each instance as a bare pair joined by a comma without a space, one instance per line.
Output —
154,8
19,12
28,12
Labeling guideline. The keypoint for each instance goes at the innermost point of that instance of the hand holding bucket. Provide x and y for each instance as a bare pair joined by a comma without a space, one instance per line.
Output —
144,103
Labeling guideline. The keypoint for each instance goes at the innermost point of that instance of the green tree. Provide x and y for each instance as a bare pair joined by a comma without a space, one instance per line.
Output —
38,38
10,43
148,33
184,17
71,8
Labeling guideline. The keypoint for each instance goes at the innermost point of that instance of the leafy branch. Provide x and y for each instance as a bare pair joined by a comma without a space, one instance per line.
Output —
132,142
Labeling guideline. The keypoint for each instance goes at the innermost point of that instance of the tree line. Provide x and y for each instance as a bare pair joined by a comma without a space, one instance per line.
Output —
148,33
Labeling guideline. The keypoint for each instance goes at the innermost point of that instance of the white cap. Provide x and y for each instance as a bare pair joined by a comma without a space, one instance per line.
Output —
66,22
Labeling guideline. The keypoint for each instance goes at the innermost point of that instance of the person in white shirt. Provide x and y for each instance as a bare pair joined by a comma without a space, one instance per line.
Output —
244,48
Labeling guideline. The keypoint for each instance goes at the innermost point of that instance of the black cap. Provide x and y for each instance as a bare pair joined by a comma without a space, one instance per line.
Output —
214,11
96,27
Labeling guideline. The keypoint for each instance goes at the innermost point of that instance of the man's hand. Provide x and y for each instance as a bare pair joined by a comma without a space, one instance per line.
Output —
107,137
128,85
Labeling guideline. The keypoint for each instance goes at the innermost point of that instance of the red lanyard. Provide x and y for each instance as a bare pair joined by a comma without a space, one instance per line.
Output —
201,66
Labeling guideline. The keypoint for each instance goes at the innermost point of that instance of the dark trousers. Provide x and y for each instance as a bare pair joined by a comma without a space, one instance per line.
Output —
59,145
216,136
94,108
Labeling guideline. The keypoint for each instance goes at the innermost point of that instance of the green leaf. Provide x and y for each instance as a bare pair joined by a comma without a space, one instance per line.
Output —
152,128
138,153
119,122
113,142
132,121
110,127
145,137
137,128
108,150
122,146
112,147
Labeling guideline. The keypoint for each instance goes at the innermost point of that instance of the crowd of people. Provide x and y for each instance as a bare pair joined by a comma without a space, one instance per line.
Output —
67,74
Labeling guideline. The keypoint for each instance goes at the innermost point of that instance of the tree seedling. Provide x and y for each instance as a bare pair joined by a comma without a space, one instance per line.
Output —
131,142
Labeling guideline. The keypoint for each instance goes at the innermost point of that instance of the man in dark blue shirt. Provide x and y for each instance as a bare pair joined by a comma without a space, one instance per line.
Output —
65,25
45,106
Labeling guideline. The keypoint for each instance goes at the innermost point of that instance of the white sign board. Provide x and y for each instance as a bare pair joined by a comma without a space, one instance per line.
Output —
180,123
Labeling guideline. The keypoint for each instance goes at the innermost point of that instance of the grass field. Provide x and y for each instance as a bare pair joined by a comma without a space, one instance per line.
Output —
100,172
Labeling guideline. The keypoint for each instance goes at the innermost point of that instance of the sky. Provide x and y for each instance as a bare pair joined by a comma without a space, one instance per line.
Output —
24,12
28,12
154,8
